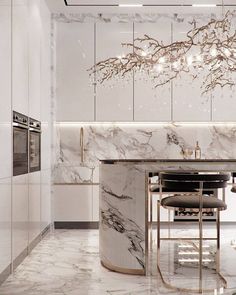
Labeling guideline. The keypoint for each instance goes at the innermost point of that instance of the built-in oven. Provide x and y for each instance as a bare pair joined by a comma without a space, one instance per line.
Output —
34,145
20,144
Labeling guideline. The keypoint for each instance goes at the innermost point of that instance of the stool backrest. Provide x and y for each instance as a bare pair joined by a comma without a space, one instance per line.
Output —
175,180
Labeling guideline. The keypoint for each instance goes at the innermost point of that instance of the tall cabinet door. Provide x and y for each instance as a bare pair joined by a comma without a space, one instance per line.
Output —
75,55
34,58
189,104
114,98
152,103
20,61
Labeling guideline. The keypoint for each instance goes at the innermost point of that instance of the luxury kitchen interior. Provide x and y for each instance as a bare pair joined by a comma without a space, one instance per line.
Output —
118,147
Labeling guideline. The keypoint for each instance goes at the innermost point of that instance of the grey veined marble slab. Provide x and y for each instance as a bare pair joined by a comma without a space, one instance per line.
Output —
134,141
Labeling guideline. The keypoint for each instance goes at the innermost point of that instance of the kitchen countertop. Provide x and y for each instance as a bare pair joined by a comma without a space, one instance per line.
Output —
113,161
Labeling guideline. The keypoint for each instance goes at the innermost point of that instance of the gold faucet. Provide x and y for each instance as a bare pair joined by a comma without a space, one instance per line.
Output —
82,145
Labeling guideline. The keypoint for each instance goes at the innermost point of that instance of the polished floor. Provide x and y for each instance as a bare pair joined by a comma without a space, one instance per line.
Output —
67,262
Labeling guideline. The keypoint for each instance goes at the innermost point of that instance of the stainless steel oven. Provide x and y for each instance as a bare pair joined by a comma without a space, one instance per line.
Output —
34,145
20,144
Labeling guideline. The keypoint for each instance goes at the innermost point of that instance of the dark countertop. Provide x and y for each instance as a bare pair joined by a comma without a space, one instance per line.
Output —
113,161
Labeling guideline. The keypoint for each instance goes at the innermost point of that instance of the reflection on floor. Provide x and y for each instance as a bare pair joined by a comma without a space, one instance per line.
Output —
67,262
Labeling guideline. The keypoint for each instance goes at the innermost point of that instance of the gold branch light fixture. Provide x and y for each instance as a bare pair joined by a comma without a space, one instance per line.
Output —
209,49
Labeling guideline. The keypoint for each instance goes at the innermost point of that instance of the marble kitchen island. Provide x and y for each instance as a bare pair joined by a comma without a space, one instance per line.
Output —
123,230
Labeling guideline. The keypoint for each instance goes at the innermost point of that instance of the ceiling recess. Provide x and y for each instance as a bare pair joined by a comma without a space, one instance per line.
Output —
84,4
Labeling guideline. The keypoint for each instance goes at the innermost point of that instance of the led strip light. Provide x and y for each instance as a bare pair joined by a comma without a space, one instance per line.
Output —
150,5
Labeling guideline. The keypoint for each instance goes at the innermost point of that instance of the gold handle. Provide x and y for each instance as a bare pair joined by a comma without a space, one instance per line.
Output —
82,144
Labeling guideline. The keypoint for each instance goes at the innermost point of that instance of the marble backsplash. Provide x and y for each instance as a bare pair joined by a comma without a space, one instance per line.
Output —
134,141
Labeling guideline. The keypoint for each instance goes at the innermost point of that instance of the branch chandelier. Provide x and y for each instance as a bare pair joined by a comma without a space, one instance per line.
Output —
209,50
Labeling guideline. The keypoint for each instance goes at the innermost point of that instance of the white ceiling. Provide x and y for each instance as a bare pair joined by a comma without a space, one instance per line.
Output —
159,6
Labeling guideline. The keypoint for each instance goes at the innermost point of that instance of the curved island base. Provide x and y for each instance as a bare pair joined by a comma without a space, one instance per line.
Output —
123,229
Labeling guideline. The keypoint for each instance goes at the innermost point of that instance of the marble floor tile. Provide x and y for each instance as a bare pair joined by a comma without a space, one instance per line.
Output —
67,262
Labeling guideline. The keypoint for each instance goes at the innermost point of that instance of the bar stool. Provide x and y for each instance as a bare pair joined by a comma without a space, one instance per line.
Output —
194,200
157,188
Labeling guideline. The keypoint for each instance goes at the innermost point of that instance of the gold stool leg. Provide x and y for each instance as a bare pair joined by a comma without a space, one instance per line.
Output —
218,241
169,223
151,219
200,237
158,234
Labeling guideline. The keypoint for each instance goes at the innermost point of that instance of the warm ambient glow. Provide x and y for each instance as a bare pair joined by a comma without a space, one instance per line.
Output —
207,51
204,5
70,123
130,5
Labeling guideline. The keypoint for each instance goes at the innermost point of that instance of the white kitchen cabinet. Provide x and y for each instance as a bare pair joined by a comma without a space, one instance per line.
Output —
95,202
5,99
114,98
5,223
150,103
224,104
34,34
20,56
45,199
20,209
189,104
45,88
73,203
34,205
75,55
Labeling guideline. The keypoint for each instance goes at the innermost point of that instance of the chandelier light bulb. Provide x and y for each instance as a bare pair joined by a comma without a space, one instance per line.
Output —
161,59
189,60
199,57
213,52
227,52
158,68
144,53
175,65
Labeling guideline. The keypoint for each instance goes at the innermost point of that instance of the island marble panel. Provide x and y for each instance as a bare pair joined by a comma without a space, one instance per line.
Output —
134,141
123,230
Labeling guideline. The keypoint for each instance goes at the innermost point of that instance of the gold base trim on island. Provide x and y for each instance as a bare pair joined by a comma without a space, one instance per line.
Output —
128,271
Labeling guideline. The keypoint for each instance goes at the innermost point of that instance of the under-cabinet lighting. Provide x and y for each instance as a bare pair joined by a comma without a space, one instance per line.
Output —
130,5
133,123
204,5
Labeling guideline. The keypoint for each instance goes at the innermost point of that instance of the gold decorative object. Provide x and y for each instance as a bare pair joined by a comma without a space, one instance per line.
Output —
209,50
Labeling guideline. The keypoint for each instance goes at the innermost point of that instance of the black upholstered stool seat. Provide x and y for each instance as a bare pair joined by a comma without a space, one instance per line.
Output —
193,202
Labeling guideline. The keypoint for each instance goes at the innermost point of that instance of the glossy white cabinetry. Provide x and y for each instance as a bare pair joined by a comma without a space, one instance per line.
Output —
5,223
114,98
224,104
95,202
34,36
189,104
75,55
150,103
45,198
45,88
34,205
20,55
73,202
5,97
20,214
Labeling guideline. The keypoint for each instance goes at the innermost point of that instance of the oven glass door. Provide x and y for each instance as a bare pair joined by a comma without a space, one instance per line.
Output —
20,151
35,151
